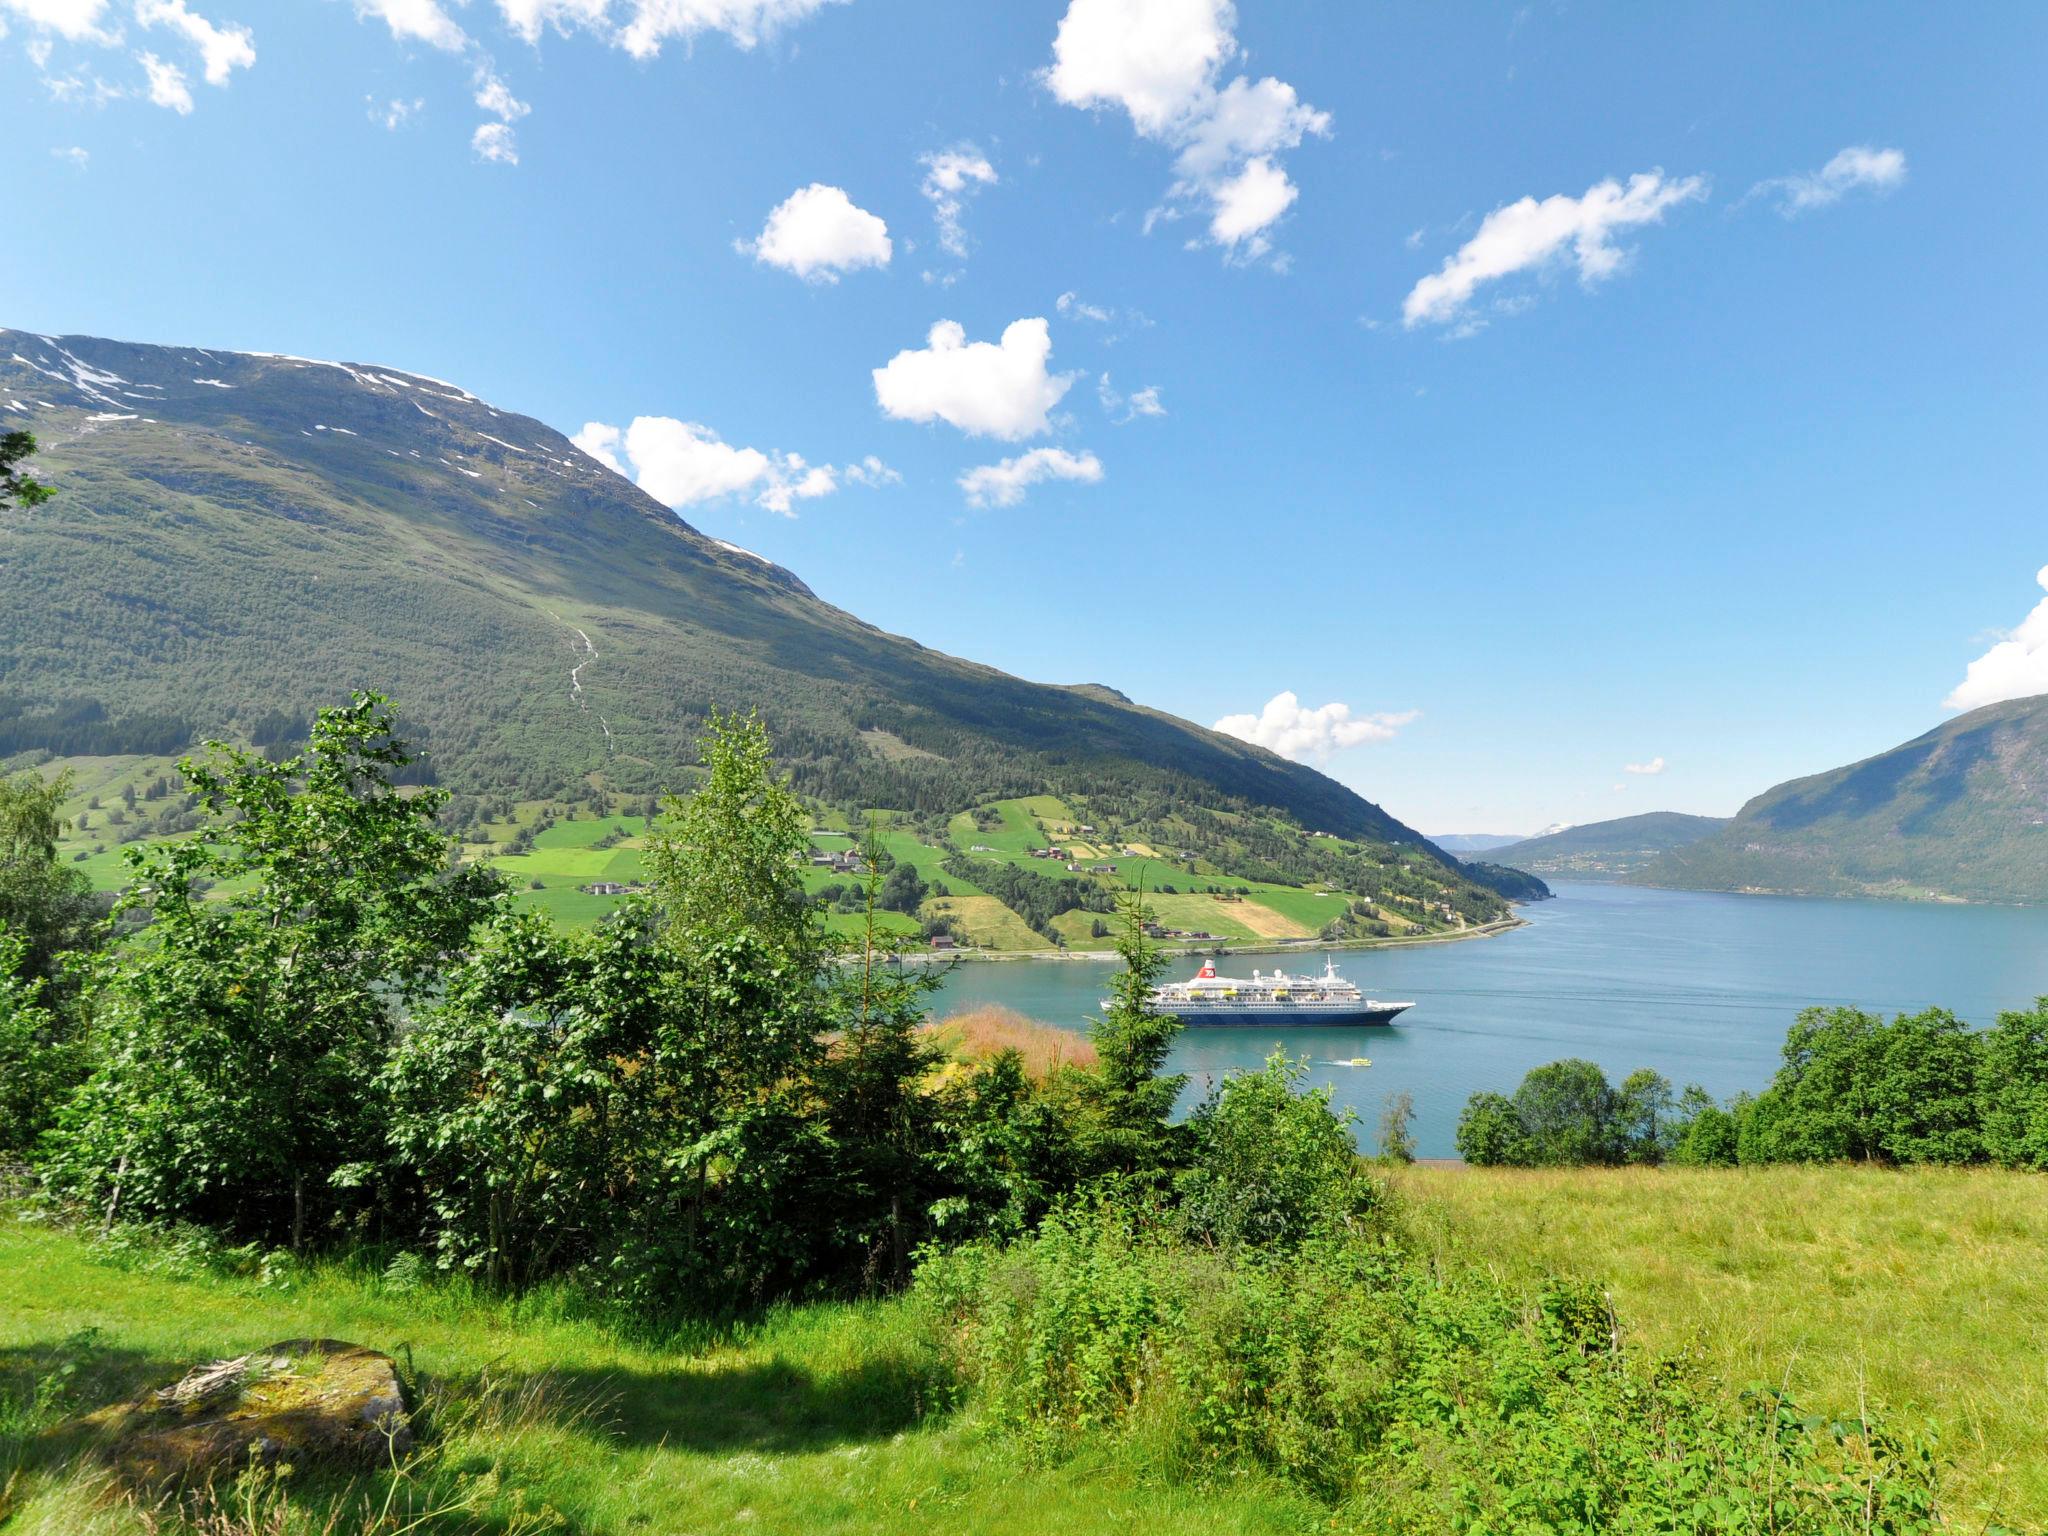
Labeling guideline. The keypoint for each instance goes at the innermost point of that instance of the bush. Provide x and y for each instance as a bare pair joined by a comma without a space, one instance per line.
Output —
1420,1401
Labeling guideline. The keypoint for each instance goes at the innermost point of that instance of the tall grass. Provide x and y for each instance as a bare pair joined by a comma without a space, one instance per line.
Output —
975,1034
1922,1293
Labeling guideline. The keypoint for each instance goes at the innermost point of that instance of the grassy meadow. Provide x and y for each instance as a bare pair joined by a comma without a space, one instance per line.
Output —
825,1419
1923,1291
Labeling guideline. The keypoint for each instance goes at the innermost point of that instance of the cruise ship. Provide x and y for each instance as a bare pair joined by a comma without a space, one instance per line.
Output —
1273,997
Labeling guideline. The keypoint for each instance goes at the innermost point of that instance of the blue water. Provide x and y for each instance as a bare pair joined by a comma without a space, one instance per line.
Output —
1700,987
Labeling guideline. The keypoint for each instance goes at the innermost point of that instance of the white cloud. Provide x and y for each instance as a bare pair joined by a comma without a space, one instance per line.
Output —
417,21
745,22
76,21
1124,409
983,388
1161,62
949,176
1881,170
1528,234
1072,307
681,463
1654,766
74,155
817,233
397,112
1003,484
167,86
496,98
2015,668
222,49
1288,727
528,17
1249,201
495,142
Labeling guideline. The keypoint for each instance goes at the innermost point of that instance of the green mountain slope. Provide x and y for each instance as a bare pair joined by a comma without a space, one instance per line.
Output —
239,537
1959,813
1607,850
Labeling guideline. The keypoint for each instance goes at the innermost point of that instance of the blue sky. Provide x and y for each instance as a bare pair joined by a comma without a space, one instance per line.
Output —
1733,466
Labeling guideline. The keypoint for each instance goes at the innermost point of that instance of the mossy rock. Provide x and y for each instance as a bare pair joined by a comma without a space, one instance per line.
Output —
302,1400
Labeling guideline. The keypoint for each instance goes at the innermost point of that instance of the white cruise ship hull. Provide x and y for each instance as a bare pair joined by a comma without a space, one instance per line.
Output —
1239,1012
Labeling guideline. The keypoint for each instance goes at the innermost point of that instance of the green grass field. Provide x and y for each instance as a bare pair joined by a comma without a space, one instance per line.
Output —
819,1421
1923,1292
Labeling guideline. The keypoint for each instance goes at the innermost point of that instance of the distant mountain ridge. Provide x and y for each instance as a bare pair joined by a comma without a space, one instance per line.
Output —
1607,850
1960,813
1462,843
239,537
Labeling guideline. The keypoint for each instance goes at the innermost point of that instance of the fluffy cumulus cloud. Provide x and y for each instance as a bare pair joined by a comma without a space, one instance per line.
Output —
497,141
2015,668
651,23
950,176
817,233
1162,62
223,48
1653,767
77,21
529,18
167,86
1859,167
1292,729
682,463
986,389
417,21
1003,484
1530,234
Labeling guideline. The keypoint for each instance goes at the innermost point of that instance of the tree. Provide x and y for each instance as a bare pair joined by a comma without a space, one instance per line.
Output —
726,859
1568,1111
1853,1088
1706,1135
2013,1088
39,1056
247,1024
1126,1100
1491,1133
1397,1128
50,906
881,1123
1645,1127
1270,1165
16,487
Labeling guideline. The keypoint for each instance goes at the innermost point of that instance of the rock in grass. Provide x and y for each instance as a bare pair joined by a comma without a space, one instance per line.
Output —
312,1400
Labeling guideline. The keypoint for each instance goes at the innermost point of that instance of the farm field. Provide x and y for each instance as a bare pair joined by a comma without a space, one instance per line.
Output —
550,874
1917,1291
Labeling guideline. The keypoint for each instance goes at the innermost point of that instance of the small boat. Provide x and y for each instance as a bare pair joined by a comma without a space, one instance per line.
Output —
1275,998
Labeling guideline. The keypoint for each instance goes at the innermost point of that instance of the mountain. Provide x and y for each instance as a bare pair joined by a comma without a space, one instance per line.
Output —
240,537
1960,813
1462,843
1607,850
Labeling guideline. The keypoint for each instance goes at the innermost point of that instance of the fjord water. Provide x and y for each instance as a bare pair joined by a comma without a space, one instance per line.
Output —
1700,987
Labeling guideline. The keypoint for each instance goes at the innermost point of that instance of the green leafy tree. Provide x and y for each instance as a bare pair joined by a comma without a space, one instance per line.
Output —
1707,1134
1569,1112
1645,1117
39,1055
1127,1099
16,487
2013,1091
1397,1128
247,1024
50,906
1854,1088
883,1126
1270,1165
726,859
1491,1133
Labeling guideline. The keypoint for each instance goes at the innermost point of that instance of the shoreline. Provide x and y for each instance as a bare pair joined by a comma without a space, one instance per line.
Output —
1256,947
